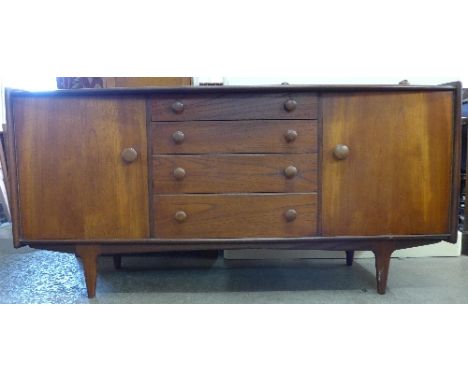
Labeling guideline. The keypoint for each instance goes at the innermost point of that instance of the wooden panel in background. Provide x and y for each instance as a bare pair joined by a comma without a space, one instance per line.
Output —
137,82
235,216
72,181
209,137
397,178
234,173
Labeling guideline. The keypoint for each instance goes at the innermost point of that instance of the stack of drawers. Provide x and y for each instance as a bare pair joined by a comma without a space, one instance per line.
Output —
234,166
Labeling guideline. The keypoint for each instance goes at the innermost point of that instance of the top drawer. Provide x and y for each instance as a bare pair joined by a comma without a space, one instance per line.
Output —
206,107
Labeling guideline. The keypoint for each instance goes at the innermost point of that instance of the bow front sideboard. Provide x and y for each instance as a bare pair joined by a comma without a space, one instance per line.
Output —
112,171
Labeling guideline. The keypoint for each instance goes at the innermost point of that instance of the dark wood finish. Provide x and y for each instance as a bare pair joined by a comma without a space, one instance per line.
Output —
225,106
231,216
349,258
382,252
243,137
234,173
176,245
397,178
89,255
72,181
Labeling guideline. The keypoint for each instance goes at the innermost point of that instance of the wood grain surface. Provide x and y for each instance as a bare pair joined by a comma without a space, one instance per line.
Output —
234,173
136,82
225,106
210,137
235,216
397,177
72,181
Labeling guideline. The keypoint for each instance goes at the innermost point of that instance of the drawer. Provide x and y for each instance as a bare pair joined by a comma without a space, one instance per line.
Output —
186,107
235,216
174,174
207,137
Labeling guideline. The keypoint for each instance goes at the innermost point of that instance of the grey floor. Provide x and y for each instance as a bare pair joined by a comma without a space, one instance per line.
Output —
28,276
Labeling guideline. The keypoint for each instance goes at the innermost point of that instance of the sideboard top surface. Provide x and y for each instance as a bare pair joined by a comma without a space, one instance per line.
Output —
233,89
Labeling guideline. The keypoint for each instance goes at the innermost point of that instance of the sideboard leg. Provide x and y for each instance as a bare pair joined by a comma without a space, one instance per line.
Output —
382,253
349,258
117,261
89,255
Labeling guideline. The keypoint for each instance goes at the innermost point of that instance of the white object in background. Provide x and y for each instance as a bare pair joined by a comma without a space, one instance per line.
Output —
211,80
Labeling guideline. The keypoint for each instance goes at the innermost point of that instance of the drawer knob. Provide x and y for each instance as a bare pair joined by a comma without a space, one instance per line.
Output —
178,137
341,152
290,172
129,155
179,173
290,215
180,216
178,107
290,136
290,105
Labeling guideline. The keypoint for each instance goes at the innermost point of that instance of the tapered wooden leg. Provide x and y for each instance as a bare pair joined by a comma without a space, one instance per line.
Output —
89,255
383,253
349,258
117,261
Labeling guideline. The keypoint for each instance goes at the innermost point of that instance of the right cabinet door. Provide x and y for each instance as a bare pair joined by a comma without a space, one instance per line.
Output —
396,177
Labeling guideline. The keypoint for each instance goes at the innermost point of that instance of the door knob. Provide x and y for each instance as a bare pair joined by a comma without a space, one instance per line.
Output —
290,172
290,105
177,107
341,152
180,216
290,215
178,137
290,136
179,173
129,155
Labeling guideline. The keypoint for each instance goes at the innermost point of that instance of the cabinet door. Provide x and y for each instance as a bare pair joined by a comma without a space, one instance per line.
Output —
72,180
397,177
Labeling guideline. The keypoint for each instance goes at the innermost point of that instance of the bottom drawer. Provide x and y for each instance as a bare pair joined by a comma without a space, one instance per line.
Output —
235,216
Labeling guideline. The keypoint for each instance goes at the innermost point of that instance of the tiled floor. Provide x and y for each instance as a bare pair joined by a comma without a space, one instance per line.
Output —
28,276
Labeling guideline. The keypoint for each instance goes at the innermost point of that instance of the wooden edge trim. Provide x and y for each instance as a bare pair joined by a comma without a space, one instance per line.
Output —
456,167
128,248
308,240
10,142
231,89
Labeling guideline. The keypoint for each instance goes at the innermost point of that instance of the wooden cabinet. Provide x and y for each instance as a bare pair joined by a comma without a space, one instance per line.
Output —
326,167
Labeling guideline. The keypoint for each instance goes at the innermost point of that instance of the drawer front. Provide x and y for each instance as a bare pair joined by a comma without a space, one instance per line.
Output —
234,173
208,137
235,216
240,106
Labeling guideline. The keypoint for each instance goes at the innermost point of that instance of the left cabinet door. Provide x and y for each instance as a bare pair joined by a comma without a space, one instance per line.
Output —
73,180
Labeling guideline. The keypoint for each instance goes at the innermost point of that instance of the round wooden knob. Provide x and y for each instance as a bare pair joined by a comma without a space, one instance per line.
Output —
129,155
341,152
290,172
180,216
178,137
179,173
178,107
290,105
290,136
290,215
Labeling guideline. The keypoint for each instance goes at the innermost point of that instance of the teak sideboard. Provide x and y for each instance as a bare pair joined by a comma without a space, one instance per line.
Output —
112,171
